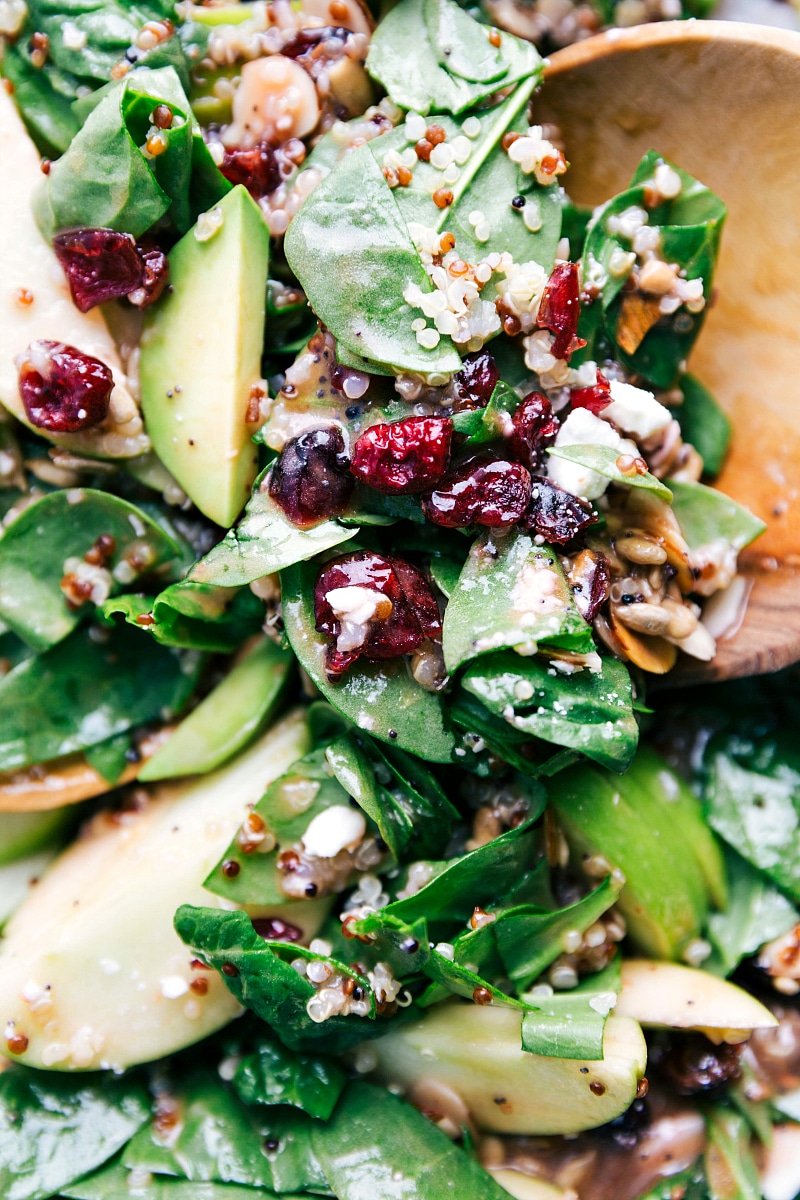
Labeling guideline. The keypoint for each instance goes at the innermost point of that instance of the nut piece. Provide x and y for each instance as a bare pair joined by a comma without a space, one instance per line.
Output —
276,100
644,618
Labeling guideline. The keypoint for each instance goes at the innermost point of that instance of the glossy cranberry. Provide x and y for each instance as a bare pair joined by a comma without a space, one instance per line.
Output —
255,169
595,398
273,929
100,265
534,428
482,491
590,580
404,456
310,481
474,383
693,1064
560,309
555,513
62,389
394,628
156,277
306,39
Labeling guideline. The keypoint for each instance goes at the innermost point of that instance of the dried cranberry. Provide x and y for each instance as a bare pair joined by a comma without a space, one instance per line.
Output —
100,265
382,630
474,383
306,39
590,581
482,491
595,398
310,481
256,169
62,389
273,929
404,456
693,1064
156,276
560,309
555,513
534,428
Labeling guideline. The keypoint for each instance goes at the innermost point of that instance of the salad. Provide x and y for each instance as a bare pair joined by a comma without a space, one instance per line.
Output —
353,488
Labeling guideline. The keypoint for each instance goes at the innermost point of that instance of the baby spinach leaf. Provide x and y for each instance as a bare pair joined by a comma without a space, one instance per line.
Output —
110,758
287,809
487,424
432,57
66,524
457,979
571,1024
263,542
706,515
220,1140
511,594
104,178
756,913
603,459
228,718
529,939
703,423
729,1157
43,99
752,796
196,616
266,982
380,698
55,1128
114,1182
86,690
587,711
271,1074
377,1145
402,814
353,255
526,754
106,29
690,227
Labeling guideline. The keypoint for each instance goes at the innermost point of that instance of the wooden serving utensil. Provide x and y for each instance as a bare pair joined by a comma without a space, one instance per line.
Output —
721,100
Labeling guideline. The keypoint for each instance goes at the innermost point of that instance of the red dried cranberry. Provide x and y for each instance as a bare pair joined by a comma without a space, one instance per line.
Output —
392,629
62,389
693,1064
590,580
310,481
404,456
256,169
534,428
474,383
273,929
555,513
482,491
595,398
560,309
156,276
100,265
306,39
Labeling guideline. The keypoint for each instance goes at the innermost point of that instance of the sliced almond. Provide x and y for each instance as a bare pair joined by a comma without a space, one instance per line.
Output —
653,654
637,316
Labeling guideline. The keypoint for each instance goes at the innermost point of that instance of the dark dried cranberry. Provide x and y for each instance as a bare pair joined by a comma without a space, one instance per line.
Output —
534,428
306,39
482,491
273,929
560,309
398,609
555,513
256,169
590,581
310,481
62,389
693,1064
474,383
404,456
100,265
595,398
156,277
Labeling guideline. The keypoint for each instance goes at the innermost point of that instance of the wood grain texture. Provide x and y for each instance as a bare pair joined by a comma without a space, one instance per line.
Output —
721,100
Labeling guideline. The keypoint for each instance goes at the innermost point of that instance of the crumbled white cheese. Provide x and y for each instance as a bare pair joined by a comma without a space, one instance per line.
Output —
635,411
354,607
336,828
583,428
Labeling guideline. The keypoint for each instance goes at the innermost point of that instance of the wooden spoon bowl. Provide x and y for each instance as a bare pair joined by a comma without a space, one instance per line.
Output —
722,101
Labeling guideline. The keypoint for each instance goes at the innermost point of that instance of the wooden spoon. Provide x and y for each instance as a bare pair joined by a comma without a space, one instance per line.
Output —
721,100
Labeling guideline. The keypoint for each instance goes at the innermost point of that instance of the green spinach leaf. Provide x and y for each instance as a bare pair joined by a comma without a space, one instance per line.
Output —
603,459
706,515
756,913
511,594
56,1128
271,1074
703,423
587,711
86,690
195,616
114,1182
571,1024
34,549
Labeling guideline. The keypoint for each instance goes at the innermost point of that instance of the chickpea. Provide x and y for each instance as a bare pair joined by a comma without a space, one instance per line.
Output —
276,100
